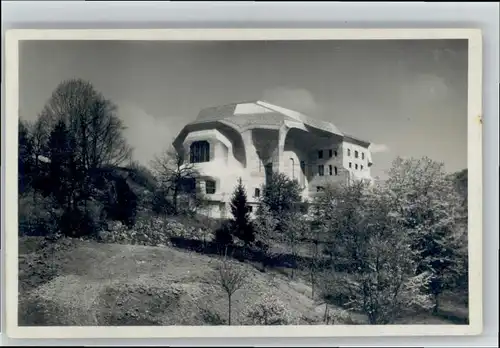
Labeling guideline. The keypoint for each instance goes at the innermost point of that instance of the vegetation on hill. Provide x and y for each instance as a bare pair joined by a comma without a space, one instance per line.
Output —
106,241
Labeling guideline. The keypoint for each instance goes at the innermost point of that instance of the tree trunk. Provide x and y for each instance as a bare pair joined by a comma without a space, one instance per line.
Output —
325,317
175,199
435,310
312,284
229,311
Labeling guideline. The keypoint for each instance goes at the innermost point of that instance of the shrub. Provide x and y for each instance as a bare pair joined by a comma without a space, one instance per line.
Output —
79,223
37,216
269,310
223,235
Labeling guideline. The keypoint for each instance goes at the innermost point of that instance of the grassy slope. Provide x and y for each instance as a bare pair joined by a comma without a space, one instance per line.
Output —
85,283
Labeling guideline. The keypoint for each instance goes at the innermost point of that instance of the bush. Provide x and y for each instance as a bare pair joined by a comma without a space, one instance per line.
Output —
78,223
269,310
37,216
152,231
223,234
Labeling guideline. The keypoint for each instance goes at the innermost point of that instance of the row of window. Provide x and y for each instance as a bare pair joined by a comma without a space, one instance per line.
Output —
334,170
356,166
331,153
331,170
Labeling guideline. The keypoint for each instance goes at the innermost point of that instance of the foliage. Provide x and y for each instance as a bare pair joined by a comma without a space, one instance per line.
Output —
38,219
431,209
223,235
294,228
384,282
151,231
25,157
281,194
242,225
265,229
63,154
269,310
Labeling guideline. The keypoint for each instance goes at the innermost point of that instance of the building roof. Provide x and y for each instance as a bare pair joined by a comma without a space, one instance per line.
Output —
255,114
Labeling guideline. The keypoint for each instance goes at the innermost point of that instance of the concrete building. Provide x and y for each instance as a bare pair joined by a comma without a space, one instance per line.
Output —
250,140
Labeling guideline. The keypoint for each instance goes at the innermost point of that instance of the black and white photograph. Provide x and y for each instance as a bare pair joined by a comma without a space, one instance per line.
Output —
245,183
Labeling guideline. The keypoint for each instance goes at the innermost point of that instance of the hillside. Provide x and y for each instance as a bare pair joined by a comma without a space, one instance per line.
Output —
75,282
87,283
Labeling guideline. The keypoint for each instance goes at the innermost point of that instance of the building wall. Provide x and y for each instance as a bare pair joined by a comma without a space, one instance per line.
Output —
245,155
357,167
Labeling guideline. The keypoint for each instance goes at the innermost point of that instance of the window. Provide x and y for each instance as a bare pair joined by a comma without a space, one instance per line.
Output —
330,169
336,154
210,187
356,154
257,193
361,167
250,209
319,188
348,152
350,165
330,153
200,152
320,154
356,166
321,170
362,155
336,171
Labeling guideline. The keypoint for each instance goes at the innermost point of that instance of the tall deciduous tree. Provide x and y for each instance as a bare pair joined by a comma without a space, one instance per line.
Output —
91,120
431,209
384,282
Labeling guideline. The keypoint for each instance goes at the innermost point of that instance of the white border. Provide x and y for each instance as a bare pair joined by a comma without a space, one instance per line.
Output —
474,167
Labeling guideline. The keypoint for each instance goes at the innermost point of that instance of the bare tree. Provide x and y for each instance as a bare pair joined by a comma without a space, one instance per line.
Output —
92,121
230,278
173,173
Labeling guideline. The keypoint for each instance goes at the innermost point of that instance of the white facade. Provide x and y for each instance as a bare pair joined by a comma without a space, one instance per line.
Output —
248,140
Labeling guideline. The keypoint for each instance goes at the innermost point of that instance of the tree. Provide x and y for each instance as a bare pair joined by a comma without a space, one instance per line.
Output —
337,220
293,229
426,200
281,194
265,230
25,157
92,121
240,210
175,175
385,281
230,278
62,165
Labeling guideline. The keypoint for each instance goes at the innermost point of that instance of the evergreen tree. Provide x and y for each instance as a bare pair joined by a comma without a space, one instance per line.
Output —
60,178
25,158
242,225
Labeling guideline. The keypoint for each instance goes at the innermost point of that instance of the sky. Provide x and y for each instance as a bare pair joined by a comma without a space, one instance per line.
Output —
409,98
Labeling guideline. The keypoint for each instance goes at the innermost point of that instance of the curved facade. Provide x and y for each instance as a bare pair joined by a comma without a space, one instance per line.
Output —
250,140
